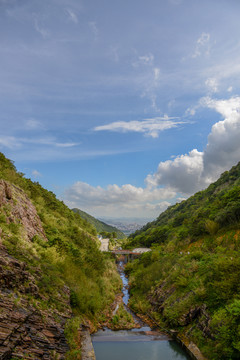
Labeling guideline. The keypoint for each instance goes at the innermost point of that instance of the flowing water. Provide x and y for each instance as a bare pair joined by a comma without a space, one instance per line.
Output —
135,344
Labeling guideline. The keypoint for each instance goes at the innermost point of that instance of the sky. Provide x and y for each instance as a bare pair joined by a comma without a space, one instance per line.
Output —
121,108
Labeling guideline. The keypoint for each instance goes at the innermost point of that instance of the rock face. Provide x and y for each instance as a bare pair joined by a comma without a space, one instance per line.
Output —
27,332
27,329
22,210
194,314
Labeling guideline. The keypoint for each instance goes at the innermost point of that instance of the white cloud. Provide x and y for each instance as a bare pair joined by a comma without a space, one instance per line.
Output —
32,124
191,110
123,200
147,59
202,45
150,127
40,29
150,78
93,26
230,89
9,142
175,178
12,142
194,171
156,74
72,16
36,174
182,174
180,199
223,148
49,141
212,85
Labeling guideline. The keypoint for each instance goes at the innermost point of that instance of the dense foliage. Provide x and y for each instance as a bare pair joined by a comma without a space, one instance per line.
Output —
190,279
100,226
206,212
71,256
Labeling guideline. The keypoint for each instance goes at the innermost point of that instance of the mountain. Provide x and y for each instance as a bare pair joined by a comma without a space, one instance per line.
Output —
100,225
53,277
189,282
126,225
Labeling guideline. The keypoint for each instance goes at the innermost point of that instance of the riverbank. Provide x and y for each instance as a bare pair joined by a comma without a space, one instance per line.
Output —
140,342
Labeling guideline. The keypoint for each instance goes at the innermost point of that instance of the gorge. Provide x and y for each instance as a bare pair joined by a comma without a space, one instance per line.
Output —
55,282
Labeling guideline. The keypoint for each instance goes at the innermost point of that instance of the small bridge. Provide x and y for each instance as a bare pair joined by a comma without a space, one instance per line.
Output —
130,254
124,252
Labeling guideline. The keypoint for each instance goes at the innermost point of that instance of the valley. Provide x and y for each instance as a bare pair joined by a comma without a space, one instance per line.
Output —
55,282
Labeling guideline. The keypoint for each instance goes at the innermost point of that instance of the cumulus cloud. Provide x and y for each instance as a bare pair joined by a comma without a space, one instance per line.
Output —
150,127
124,200
174,179
223,148
191,172
182,174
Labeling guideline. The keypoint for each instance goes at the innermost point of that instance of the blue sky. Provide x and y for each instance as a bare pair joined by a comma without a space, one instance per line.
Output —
120,107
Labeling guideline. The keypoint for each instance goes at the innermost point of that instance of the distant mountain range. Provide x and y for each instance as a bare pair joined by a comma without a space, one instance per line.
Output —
99,225
124,225
126,228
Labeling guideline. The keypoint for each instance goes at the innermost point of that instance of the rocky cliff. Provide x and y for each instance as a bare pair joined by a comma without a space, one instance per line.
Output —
18,208
27,330
50,268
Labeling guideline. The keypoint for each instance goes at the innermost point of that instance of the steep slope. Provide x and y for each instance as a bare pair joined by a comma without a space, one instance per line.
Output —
100,225
190,280
51,269
206,212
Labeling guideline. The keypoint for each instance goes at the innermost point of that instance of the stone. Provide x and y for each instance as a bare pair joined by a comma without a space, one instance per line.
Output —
27,333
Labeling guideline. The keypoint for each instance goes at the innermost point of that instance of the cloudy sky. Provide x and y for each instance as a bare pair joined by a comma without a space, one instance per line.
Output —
120,107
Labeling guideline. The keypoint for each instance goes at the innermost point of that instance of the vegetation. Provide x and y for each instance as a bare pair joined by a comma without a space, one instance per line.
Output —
71,256
102,228
122,320
190,279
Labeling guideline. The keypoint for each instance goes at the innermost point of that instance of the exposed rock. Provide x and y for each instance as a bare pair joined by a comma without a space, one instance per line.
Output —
8,191
87,346
160,295
204,323
189,316
27,332
22,210
198,316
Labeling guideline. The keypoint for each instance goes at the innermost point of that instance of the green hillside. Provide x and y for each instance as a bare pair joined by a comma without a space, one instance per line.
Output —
57,251
99,225
190,280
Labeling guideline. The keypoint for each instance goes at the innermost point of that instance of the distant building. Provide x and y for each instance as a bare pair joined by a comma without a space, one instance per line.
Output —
104,245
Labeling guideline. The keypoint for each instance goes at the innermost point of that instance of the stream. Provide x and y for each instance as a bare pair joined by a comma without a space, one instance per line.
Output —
136,344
